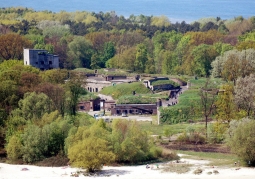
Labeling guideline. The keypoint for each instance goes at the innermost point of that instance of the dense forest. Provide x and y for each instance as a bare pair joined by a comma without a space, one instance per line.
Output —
143,44
38,114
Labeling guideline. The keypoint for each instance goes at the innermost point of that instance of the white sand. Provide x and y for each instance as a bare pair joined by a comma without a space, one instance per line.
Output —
126,172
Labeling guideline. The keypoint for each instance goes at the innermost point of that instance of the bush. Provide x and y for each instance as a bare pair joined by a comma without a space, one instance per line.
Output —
14,148
155,152
130,143
216,132
90,153
241,139
33,144
191,136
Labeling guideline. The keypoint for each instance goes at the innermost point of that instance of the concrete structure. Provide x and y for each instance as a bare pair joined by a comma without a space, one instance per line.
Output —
148,83
164,87
40,59
95,105
133,109
96,83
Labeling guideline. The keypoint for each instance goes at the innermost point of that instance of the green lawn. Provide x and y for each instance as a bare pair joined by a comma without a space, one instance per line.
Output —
155,129
125,89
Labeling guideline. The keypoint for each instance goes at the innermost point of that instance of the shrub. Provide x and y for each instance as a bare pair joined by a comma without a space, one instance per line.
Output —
33,144
241,139
216,133
14,148
90,153
191,136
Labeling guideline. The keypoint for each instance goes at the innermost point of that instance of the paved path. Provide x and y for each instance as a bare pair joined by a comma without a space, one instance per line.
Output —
172,101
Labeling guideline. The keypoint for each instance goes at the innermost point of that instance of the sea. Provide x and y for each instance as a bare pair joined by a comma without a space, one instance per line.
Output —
176,10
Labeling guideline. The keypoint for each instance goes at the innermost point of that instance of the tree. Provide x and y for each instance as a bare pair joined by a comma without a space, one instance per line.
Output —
130,143
28,82
56,31
55,76
161,21
8,99
203,55
33,144
208,94
73,91
14,148
108,53
234,64
245,95
56,93
225,104
241,139
89,147
141,58
80,52
11,46
91,153
34,106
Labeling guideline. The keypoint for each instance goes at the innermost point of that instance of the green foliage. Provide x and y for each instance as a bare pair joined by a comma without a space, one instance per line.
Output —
203,57
165,82
54,137
241,139
244,94
216,132
55,76
161,21
187,110
14,124
192,135
225,106
89,147
91,153
56,31
141,58
14,148
130,144
34,106
233,64
83,119
134,99
5,65
74,90
119,90
34,144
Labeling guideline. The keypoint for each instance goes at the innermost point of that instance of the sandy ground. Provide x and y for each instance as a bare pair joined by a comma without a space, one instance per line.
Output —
126,172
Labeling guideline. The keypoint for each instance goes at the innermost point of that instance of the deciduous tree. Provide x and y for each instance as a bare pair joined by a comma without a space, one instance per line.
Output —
11,46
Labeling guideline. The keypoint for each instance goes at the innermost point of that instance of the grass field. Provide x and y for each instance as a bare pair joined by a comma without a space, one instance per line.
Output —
125,89
155,129
217,159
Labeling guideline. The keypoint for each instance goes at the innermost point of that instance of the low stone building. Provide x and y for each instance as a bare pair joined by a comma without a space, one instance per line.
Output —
95,105
96,83
133,109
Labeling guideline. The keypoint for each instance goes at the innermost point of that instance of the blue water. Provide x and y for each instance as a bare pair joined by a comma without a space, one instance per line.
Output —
175,10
